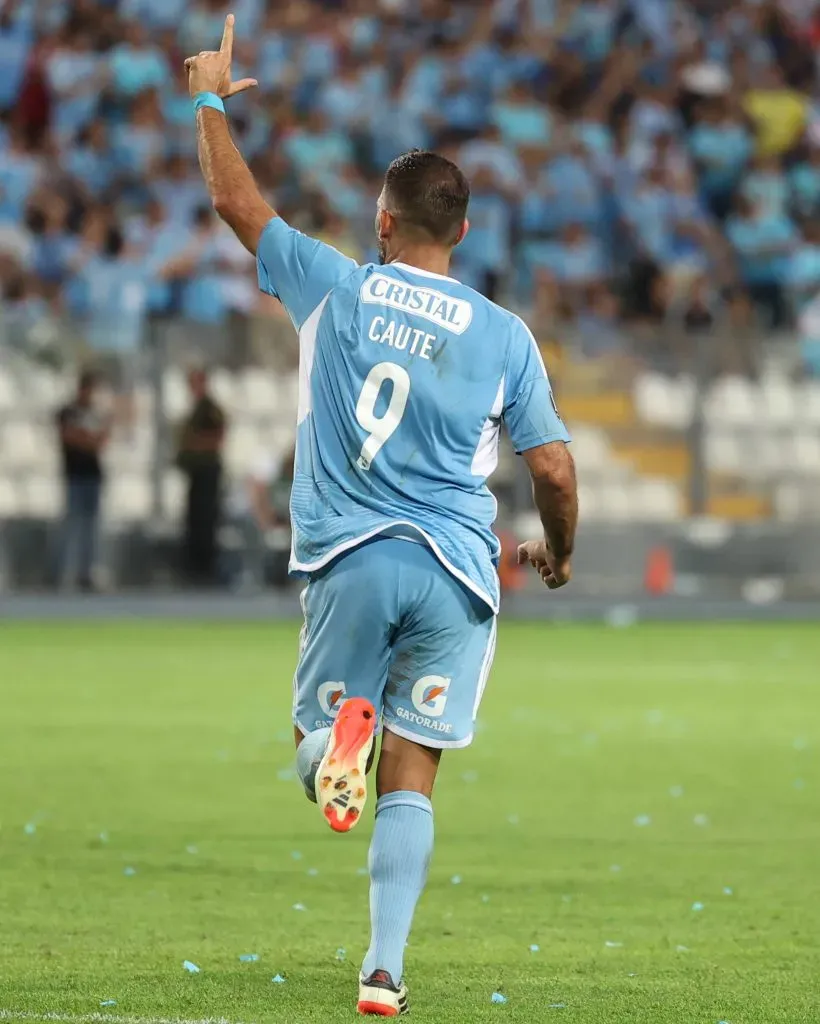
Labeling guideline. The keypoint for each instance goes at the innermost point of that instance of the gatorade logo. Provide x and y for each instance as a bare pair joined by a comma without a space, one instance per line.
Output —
430,695
330,696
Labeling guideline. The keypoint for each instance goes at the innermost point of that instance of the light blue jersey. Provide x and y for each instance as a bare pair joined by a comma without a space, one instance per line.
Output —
405,377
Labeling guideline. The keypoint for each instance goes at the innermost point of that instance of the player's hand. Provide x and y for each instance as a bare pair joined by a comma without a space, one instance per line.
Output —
210,71
553,571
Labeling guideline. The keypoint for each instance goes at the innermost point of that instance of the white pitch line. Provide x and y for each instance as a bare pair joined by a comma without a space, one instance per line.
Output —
104,1018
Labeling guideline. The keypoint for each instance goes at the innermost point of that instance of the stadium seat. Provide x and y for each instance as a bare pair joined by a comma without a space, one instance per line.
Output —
656,500
8,392
591,449
805,452
242,446
222,384
44,391
807,403
732,401
588,503
258,392
778,401
129,498
723,453
617,502
24,446
664,401
10,498
42,497
176,400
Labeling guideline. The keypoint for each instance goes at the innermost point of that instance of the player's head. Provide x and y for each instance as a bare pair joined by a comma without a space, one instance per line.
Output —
423,202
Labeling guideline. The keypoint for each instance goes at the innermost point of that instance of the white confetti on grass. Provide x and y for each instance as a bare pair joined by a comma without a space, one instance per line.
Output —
299,906
129,871
456,880
277,979
191,967
676,791
613,945
642,820
700,819
535,948
728,890
697,906
497,997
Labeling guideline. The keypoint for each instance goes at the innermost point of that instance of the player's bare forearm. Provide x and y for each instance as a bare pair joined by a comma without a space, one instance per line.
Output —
234,193
555,492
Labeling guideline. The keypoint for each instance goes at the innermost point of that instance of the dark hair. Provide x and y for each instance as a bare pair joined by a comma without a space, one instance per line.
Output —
426,191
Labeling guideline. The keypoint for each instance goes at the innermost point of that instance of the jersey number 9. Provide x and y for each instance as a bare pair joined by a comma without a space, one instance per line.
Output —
381,427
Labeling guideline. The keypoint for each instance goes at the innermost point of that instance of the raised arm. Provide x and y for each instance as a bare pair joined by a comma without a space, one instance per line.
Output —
234,193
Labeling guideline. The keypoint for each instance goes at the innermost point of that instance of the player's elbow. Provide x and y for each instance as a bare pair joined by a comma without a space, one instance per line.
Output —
552,464
224,205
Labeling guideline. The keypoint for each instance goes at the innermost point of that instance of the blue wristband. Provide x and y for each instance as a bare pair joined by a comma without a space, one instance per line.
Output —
208,99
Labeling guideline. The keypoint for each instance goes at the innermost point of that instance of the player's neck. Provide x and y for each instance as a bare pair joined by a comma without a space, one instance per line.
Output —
431,258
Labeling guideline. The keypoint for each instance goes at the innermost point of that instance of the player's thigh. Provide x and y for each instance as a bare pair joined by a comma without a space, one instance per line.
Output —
344,644
441,660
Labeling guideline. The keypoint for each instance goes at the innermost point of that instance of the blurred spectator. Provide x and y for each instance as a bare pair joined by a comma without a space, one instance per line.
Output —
261,504
199,456
83,433
608,142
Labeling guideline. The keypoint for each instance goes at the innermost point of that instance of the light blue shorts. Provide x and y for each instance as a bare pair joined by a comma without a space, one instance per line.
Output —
387,622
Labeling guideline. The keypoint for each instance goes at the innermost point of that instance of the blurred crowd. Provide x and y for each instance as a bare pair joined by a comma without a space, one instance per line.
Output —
630,159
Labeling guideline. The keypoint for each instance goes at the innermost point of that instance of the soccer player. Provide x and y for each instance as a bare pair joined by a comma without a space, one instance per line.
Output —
405,378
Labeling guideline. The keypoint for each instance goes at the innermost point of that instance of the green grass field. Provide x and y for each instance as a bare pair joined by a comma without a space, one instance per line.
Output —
654,830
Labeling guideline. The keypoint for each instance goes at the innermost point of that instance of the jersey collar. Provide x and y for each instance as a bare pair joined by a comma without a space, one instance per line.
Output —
423,273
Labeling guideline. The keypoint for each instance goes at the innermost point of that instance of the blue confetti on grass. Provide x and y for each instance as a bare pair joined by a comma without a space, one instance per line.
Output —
190,967
108,1002
676,791
681,949
496,997
513,819
469,776
286,775
799,783
456,880
613,945
277,979
362,871
299,906
728,890
557,1006
700,819
103,838
642,820
249,958
800,743
615,868
632,975
296,855
129,872
535,948
341,953
697,906
29,828
192,850
313,872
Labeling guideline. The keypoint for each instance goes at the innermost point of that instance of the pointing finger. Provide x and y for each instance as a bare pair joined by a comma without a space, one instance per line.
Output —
226,45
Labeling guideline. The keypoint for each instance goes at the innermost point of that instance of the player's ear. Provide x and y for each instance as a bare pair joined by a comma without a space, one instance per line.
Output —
462,234
384,224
